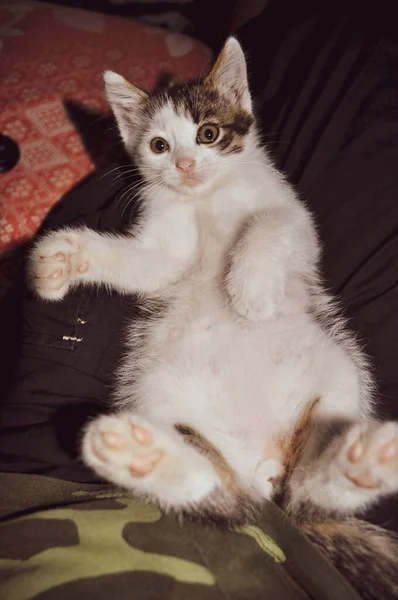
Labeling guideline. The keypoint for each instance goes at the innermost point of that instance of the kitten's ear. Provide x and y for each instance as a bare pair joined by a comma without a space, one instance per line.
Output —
229,74
126,101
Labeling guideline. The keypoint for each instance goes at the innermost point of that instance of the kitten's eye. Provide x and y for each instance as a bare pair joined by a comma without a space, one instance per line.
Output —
208,134
159,145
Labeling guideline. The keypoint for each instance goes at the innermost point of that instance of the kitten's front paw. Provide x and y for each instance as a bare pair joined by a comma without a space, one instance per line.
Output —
56,263
369,458
256,290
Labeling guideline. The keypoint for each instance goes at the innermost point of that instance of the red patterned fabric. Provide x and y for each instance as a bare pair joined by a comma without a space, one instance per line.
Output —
47,53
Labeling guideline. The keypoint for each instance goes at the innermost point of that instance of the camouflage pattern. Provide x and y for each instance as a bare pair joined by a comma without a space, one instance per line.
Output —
61,541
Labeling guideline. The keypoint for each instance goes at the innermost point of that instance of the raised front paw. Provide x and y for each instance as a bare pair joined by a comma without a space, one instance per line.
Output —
57,262
256,288
369,458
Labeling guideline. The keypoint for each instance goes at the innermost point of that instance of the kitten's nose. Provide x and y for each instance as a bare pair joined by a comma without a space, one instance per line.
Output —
186,164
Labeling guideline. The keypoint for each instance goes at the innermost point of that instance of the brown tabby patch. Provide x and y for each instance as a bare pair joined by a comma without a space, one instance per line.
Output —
292,444
228,505
232,501
201,101
202,444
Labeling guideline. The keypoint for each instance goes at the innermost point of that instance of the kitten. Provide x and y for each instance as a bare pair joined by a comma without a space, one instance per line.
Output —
242,383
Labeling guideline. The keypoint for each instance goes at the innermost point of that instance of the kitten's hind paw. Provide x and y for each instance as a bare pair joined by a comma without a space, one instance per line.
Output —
145,458
122,447
369,459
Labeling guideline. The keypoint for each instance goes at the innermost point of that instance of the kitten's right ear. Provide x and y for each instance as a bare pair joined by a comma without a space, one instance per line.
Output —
125,100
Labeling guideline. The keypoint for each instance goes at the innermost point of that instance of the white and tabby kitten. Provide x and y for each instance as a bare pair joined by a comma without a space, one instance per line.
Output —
246,341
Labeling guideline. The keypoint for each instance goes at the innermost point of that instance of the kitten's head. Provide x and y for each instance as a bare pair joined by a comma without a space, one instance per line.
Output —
184,135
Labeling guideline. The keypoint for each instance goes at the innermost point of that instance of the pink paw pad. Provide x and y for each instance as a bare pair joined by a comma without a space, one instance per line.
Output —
83,268
388,452
363,481
113,440
355,453
366,456
142,465
142,436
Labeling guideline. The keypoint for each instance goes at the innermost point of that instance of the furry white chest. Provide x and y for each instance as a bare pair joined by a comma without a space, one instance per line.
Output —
203,365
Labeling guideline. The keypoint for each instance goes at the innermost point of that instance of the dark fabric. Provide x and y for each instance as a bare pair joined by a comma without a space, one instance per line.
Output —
326,77
61,356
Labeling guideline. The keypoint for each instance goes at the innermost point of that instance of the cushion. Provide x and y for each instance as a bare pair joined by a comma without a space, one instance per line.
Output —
49,53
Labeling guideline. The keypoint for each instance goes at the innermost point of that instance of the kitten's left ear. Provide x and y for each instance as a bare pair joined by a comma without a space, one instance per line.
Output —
229,74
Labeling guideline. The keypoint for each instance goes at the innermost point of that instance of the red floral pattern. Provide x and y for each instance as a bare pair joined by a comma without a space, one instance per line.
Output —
47,53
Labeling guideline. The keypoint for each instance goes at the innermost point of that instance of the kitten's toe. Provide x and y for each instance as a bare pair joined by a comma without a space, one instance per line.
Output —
143,465
370,457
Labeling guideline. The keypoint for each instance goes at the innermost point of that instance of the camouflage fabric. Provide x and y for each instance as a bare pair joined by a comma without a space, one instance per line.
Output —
61,540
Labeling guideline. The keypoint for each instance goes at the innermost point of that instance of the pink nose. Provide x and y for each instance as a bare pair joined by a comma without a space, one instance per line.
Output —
185,164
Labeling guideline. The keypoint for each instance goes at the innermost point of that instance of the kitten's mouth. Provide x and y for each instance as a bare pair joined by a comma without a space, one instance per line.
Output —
190,185
191,181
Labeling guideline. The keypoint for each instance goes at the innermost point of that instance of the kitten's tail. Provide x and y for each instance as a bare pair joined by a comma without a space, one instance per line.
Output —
365,554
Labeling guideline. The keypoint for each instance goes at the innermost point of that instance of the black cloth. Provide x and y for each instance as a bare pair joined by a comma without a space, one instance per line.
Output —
325,75
60,357
326,82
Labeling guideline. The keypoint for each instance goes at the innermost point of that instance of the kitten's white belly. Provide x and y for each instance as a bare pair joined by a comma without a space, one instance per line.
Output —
208,369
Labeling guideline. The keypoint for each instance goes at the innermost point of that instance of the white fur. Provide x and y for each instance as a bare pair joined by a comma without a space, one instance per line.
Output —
248,337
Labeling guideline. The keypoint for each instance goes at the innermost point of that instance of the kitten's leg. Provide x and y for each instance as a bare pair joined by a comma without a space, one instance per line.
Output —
68,257
148,459
274,246
355,470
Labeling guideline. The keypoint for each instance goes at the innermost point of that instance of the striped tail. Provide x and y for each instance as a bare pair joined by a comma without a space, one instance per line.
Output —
365,554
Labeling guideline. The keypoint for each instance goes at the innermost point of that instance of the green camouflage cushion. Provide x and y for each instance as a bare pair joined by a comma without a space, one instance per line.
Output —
63,541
